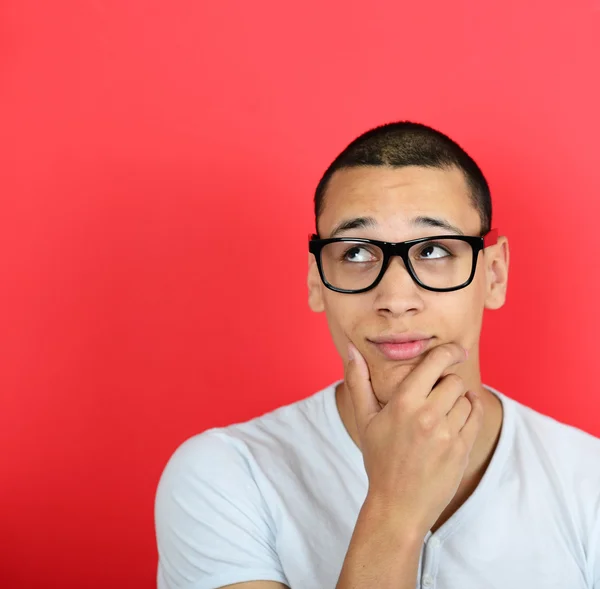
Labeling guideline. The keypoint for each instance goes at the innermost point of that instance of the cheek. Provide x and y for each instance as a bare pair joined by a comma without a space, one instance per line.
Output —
344,316
461,312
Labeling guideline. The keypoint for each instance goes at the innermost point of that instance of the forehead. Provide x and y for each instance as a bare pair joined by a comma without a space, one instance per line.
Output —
393,196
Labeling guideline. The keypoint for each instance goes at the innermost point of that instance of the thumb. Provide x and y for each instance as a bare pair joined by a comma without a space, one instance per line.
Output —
358,382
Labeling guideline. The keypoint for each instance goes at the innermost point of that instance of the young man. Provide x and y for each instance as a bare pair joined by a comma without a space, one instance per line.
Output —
409,472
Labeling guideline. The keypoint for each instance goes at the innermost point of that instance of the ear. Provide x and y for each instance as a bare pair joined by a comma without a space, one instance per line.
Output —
496,264
315,286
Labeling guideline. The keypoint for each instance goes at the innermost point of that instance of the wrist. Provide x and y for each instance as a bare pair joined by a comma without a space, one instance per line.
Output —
389,517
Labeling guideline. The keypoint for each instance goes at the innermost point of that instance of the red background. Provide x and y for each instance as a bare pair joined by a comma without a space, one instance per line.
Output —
158,164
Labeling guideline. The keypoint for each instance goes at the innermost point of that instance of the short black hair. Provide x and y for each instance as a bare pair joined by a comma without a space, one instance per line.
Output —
405,143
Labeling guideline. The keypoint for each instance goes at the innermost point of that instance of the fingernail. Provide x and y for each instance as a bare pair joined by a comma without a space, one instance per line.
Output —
350,352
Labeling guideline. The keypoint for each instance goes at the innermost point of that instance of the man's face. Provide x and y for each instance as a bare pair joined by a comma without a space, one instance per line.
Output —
394,197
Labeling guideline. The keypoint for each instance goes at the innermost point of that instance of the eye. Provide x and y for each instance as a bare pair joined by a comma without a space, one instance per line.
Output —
431,247
358,254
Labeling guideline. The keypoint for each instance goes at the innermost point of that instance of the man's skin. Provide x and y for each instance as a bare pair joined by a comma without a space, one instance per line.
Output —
393,197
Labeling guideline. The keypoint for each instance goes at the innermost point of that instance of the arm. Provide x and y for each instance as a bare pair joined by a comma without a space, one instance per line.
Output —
382,552
213,527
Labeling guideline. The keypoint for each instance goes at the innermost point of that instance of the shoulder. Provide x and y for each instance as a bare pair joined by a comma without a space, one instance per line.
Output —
203,456
232,455
291,431
552,454
215,508
567,445
205,475
561,457
214,525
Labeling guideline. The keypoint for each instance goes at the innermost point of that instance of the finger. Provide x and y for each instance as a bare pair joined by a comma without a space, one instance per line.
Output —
420,382
474,422
459,414
358,383
445,394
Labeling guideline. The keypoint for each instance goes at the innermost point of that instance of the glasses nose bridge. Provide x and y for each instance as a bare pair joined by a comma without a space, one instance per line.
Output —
396,249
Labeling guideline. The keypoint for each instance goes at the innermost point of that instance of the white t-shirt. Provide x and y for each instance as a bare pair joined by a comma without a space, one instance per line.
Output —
277,497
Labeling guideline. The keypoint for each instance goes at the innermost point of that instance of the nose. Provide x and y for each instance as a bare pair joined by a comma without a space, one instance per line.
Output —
397,291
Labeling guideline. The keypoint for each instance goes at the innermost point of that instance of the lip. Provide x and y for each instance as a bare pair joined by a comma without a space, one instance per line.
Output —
404,347
400,338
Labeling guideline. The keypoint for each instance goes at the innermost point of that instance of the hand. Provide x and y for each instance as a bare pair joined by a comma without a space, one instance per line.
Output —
416,448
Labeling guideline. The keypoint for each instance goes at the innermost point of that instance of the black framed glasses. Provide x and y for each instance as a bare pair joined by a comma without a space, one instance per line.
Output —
440,263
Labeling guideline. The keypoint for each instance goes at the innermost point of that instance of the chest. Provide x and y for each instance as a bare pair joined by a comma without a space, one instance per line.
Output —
483,551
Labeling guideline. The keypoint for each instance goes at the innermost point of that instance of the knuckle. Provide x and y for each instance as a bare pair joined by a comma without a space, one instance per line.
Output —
454,380
444,435
427,420
465,402
474,407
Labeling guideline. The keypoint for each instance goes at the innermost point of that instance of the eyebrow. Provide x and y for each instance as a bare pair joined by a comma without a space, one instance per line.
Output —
370,223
